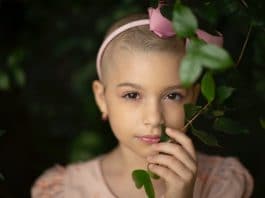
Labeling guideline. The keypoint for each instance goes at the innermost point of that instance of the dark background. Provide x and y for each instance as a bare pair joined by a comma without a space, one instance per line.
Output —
47,63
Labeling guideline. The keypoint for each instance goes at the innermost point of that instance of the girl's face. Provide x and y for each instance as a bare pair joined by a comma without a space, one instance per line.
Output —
142,92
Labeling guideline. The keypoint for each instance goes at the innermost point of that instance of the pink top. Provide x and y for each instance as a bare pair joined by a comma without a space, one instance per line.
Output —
218,177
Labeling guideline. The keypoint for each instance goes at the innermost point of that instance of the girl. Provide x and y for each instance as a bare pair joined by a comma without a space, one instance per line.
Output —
139,90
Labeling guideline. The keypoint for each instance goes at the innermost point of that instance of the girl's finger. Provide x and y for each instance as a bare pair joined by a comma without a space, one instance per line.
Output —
168,175
173,164
182,139
178,152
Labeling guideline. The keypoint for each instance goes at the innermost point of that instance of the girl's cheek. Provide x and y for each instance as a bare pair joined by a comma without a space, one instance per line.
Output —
175,117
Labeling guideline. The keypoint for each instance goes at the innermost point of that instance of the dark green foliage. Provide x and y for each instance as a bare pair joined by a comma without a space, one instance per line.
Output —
207,138
208,87
223,93
191,110
229,126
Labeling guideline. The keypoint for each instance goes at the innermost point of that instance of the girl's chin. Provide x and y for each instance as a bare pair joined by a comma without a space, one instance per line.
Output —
143,154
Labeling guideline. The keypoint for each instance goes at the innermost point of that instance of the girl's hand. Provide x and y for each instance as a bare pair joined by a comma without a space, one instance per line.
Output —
176,163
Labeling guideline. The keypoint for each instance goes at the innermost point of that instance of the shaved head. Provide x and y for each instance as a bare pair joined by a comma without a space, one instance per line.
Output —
139,39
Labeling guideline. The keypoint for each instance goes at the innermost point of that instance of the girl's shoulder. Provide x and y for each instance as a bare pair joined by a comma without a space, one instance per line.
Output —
222,177
61,180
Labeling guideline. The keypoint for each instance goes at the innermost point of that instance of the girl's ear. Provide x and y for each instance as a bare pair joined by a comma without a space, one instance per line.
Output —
98,90
195,93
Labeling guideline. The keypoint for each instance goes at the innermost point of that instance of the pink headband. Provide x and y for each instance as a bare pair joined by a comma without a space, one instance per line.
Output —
158,24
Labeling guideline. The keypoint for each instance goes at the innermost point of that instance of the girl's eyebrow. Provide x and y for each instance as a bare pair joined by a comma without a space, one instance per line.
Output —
128,84
139,86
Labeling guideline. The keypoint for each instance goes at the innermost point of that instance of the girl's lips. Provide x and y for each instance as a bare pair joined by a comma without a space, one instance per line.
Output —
149,139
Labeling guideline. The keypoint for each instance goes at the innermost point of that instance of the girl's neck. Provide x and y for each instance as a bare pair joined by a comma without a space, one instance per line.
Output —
124,159
117,167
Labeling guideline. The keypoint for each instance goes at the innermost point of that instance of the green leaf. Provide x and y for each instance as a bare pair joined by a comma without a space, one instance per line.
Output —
190,110
19,76
164,137
184,21
153,175
206,138
190,70
222,93
4,81
262,123
16,57
214,57
141,178
208,86
194,44
229,126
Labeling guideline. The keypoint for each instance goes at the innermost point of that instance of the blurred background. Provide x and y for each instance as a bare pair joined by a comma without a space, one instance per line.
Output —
47,63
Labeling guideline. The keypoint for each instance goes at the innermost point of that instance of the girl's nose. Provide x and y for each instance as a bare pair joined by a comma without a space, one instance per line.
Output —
153,114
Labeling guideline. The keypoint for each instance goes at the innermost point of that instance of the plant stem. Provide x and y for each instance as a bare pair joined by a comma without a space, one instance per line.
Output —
244,3
196,115
244,45
192,119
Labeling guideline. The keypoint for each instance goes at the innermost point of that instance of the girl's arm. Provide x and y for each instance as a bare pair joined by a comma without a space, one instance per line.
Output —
50,184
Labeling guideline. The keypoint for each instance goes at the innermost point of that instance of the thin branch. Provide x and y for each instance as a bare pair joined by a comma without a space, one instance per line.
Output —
244,3
190,121
244,45
196,115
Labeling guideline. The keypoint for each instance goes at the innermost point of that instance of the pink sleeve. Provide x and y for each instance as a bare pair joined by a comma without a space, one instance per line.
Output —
50,184
230,179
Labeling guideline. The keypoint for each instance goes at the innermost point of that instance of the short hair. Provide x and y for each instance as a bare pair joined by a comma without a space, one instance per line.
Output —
138,38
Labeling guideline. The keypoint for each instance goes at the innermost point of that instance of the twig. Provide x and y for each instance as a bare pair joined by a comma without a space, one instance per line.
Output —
196,115
191,120
244,3
244,45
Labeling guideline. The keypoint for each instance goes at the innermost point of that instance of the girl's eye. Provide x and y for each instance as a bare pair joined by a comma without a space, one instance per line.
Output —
174,96
131,95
